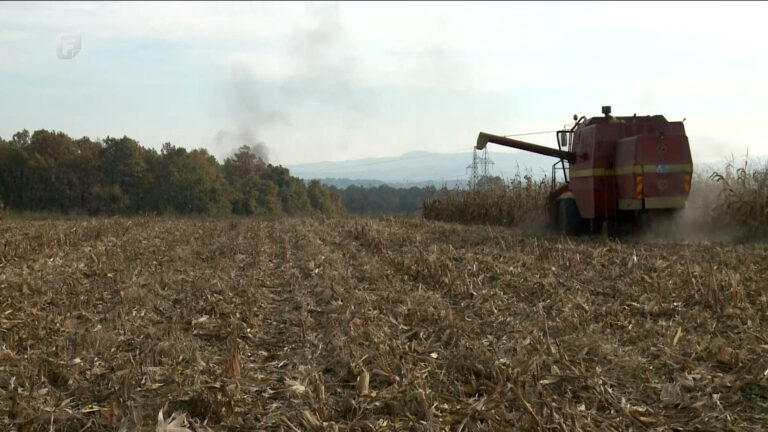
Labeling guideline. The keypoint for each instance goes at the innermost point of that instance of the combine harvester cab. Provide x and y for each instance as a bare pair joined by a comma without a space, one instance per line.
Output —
618,171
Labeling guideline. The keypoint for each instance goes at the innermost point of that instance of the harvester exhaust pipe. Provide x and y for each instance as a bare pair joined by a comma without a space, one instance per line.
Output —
484,138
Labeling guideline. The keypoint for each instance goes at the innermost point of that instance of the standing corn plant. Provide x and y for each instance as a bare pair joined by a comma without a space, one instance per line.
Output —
520,201
744,195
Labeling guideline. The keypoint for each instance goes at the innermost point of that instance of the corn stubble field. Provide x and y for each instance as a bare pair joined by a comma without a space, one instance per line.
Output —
373,324
176,325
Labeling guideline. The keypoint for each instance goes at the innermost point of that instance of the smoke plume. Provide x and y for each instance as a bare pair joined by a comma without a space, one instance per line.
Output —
243,137
325,58
322,73
248,114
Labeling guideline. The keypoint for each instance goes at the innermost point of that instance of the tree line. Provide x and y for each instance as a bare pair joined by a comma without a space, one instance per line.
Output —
382,199
50,171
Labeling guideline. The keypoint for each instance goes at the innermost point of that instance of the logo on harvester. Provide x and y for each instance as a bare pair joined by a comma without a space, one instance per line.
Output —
68,45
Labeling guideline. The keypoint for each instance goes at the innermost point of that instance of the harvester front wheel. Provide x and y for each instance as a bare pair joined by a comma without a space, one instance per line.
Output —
568,217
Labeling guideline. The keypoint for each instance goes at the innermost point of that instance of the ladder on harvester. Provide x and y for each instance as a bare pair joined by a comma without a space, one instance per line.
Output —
564,142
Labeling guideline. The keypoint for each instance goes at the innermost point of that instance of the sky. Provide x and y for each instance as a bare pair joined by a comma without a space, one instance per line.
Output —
339,81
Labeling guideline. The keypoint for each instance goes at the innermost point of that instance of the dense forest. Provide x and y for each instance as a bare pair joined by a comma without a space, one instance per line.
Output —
382,199
49,171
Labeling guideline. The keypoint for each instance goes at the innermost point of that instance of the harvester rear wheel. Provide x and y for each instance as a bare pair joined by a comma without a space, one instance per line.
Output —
568,218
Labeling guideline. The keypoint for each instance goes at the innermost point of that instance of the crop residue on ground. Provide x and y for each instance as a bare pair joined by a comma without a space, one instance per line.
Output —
374,324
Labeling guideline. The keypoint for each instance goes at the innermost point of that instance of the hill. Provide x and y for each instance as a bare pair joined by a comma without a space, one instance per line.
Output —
418,168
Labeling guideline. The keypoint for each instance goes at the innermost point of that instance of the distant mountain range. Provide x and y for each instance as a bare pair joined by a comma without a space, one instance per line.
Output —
420,168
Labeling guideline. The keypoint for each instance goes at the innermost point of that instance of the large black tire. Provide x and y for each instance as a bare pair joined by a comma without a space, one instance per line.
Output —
569,220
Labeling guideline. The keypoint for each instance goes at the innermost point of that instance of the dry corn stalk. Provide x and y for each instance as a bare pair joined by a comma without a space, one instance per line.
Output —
177,422
362,383
520,201
448,318
233,346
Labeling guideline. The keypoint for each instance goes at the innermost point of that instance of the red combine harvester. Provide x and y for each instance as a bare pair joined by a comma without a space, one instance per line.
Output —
619,171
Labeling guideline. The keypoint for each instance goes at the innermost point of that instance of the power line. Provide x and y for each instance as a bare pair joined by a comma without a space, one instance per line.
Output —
472,168
479,168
